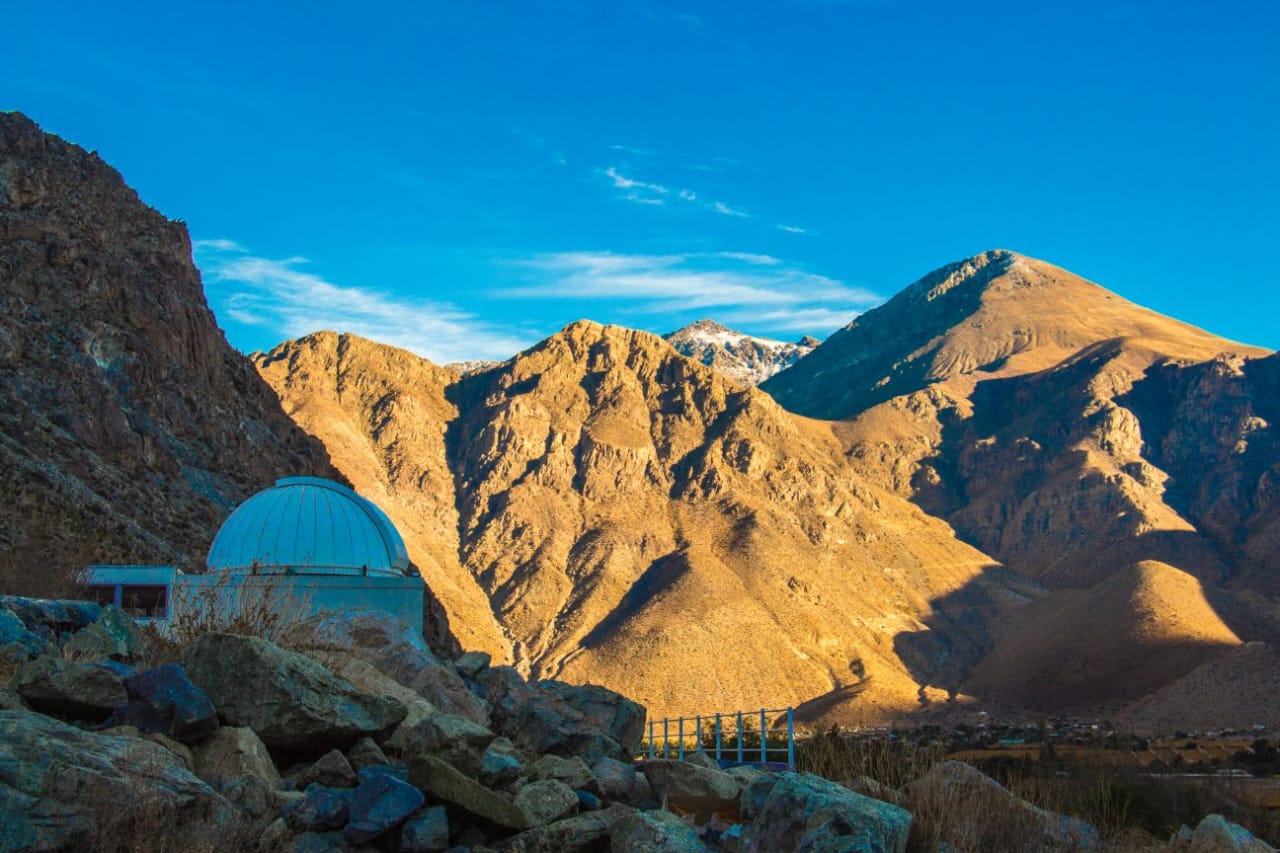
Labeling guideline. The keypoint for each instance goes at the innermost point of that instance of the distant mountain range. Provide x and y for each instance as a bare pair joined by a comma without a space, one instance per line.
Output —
1006,489
745,359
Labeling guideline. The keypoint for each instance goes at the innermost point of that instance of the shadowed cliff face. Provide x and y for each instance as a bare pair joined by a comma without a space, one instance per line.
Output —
631,518
128,427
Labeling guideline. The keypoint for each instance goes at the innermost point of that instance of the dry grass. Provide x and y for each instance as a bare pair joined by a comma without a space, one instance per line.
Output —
250,607
1131,811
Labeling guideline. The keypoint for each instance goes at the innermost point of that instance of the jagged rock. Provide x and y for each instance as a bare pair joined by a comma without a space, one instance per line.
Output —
416,713
320,810
743,358
232,752
670,776
366,753
163,700
584,833
641,792
456,739
273,838
331,770
436,777
644,832
57,615
441,685
616,777
373,635
16,642
78,690
363,675
471,663
617,716
571,771
1216,834
700,758
289,700
112,636
59,784
588,801
546,801
426,832
501,764
542,721
801,811
251,795
380,803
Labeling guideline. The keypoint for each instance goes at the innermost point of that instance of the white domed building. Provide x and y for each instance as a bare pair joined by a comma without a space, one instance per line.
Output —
311,544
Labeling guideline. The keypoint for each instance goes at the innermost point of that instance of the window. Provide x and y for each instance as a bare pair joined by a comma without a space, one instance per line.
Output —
145,601
101,594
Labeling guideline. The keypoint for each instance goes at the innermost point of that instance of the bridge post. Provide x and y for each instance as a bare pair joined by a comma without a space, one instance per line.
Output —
718,738
651,738
764,739
666,737
740,761
680,730
791,738
698,734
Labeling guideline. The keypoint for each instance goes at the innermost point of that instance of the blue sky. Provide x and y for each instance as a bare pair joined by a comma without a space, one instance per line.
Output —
463,179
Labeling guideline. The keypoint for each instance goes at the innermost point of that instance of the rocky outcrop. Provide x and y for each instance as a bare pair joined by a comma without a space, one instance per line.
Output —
128,427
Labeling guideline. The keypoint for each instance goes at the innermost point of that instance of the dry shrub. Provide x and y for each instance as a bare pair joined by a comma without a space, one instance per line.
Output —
253,606
846,759
973,819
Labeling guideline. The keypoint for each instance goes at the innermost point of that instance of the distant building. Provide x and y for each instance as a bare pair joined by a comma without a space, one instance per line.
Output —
309,543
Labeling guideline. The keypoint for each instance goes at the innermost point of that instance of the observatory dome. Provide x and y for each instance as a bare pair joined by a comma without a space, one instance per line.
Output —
307,525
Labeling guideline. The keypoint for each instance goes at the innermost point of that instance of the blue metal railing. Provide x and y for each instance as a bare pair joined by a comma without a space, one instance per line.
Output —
725,737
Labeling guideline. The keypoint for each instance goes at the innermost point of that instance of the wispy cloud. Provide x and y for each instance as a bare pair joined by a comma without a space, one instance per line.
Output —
793,229
750,289
279,294
647,192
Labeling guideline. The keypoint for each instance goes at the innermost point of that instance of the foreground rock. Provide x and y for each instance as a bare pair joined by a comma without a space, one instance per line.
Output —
164,701
1216,834
645,831
436,777
61,787
668,776
584,833
78,690
289,700
800,811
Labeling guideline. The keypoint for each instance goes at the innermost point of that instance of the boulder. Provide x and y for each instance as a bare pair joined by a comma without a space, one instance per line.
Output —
163,700
373,635
48,614
10,700
438,778
415,712
587,801
112,636
441,685
17,643
471,663
426,832
541,721
456,739
366,753
546,801
381,802
671,776
616,778
801,811
571,771
319,810
289,700
617,716
501,764
319,842
1216,834
60,785
646,832
78,690
232,752
700,758
331,770
584,833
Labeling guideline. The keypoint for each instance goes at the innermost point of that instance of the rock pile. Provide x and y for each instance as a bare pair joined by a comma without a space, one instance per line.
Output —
357,738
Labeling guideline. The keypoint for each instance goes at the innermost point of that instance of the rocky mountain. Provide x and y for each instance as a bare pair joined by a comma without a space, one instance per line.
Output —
128,426
1078,439
602,509
745,359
